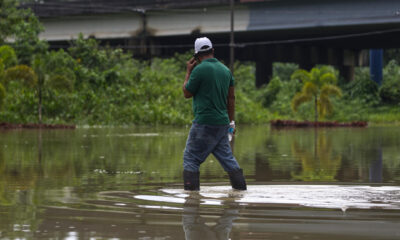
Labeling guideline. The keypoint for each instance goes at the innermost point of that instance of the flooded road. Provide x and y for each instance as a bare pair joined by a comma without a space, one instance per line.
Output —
126,183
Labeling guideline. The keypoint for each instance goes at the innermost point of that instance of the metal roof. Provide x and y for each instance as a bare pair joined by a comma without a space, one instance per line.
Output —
55,8
294,14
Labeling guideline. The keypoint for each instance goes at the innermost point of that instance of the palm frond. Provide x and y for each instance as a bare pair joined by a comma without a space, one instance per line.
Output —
327,69
315,76
325,106
331,90
299,99
310,89
328,78
301,75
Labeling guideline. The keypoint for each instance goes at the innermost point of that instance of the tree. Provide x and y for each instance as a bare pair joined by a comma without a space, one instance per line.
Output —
20,28
2,95
55,71
319,86
9,71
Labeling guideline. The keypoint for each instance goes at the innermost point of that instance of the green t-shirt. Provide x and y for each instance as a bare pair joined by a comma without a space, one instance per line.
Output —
209,83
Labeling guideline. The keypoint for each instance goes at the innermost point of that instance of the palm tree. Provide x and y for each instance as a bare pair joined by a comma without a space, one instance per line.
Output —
319,86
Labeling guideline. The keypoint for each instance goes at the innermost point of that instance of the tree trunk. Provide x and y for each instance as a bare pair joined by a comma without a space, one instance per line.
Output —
40,101
316,109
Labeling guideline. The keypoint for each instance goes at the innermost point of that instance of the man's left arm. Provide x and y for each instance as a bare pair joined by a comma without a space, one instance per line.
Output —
231,103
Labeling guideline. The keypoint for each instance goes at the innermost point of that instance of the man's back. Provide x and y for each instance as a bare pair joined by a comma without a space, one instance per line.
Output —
209,83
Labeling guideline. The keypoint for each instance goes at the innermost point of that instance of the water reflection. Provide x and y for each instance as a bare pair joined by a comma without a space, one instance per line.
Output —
376,167
319,162
65,169
196,226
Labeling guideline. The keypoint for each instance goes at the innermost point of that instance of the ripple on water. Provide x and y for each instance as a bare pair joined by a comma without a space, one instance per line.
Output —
315,196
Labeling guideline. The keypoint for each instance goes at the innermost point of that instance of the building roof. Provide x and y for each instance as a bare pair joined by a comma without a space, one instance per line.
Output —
56,8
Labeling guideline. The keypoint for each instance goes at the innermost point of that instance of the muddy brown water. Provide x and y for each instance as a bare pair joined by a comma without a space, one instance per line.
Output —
125,183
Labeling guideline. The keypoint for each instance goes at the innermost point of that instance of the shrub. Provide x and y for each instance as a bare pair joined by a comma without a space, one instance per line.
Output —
8,56
281,106
362,88
284,70
390,89
269,93
2,95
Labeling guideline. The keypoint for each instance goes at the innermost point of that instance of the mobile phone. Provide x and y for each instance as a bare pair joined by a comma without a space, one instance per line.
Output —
196,57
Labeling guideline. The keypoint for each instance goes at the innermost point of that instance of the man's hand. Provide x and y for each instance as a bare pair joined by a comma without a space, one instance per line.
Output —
190,65
232,126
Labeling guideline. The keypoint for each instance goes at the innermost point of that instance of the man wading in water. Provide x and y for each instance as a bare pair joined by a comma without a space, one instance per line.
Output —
211,85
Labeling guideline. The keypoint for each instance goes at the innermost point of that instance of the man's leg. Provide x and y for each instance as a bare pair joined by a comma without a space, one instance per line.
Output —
198,147
223,153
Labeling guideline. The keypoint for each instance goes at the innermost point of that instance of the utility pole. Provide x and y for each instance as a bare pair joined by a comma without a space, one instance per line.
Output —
232,42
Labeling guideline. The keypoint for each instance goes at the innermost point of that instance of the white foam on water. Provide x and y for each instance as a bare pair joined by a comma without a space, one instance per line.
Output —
212,202
159,207
120,204
72,236
320,196
134,135
160,198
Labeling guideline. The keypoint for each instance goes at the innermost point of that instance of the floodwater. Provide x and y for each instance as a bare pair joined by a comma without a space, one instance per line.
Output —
126,183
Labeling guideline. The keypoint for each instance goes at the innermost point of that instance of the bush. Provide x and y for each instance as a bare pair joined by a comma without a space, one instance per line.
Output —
362,88
2,95
269,93
390,89
249,107
284,70
282,104
8,56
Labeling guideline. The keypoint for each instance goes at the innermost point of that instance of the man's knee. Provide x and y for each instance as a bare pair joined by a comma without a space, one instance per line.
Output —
191,166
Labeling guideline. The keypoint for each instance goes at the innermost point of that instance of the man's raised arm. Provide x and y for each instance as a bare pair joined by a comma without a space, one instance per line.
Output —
189,67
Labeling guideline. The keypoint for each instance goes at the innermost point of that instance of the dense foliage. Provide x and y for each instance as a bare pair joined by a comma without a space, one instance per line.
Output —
21,28
94,85
390,90
91,85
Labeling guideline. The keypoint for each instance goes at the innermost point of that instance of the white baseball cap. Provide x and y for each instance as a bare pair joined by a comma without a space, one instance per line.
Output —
202,44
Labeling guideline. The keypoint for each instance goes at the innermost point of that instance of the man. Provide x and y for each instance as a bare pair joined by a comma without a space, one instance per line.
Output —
211,85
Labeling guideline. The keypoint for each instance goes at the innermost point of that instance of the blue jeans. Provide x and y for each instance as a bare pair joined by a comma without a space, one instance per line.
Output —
205,139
